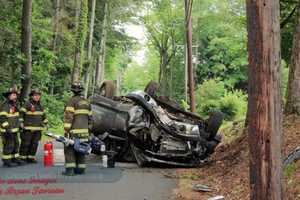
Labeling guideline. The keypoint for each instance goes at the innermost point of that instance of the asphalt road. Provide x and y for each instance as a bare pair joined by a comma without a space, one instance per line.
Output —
124,182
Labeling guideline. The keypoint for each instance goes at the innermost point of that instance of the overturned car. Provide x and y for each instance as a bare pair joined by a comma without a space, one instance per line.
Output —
142,128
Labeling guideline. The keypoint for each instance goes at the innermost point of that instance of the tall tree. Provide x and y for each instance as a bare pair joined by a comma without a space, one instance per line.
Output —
293,91
80,40
90,46
265,114
100,65
189,29
26,48
55,23
161,26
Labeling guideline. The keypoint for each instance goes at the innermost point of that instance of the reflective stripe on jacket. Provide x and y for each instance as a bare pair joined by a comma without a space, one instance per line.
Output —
9,117
78,117
33,116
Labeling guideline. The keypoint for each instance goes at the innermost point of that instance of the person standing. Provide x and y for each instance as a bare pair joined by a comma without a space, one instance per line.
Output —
34,122
77,125
9,127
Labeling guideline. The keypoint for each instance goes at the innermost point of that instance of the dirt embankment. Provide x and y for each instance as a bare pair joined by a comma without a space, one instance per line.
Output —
228,172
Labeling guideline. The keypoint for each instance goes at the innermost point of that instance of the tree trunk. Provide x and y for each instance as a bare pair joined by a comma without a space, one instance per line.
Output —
185,75
265,114
56,24
77,13
164,74
90,46
26,36
80,40
100,65
293,91
54,41
188,8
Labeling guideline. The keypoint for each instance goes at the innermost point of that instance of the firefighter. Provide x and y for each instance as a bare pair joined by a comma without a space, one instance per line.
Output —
77,124
34,122
9,127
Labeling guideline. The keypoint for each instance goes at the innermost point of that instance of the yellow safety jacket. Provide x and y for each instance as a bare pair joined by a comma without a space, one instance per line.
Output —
9,117
78,118
33,116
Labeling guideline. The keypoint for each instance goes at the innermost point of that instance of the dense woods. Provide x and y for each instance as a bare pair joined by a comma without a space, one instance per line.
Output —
50,43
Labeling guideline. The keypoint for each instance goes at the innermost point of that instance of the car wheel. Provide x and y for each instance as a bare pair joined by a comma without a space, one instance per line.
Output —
213,123
107,89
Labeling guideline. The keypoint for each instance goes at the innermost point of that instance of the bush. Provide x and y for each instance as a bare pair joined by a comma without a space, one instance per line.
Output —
212,95
208,95
234,105
54,107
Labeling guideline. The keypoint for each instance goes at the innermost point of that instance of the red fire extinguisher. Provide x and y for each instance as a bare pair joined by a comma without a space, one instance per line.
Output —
48,154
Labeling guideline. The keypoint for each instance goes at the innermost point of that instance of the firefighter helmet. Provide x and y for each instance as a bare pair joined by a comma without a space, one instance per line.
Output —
11,90
76,87
35,91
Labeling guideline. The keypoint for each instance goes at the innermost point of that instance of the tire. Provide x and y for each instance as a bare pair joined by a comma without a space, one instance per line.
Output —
213,124
107,89
152,88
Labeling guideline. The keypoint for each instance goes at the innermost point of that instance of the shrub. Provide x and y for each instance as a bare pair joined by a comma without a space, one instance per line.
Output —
208,95
54,107
234,105
212,95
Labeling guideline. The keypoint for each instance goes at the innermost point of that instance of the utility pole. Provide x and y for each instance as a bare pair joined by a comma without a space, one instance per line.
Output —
188,16
264,103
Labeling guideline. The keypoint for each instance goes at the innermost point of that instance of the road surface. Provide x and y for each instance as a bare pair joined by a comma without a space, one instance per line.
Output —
124,182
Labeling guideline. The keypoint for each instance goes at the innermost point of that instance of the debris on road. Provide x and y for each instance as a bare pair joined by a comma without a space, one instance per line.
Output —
217,198
201,188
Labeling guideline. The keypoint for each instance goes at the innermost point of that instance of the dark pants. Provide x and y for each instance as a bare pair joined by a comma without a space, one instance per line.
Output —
29,144
10,146
74,159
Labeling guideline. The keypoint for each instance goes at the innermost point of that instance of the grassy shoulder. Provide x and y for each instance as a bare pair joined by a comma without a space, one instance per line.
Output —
227,173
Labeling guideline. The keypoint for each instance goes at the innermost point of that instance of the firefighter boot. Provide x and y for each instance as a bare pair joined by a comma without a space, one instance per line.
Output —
79,171
68,172
19,162
9,163
31,160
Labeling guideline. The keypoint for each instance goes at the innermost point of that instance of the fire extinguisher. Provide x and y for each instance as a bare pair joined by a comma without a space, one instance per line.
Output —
48,154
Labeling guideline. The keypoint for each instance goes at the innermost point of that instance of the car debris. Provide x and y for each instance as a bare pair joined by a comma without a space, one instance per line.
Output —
201,188
292,157
217,198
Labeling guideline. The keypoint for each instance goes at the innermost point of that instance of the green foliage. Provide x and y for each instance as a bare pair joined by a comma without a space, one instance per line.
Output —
135,78
82,31
212,95
289,170
164,25
208,95
220,37
54,106
286,7
234,105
